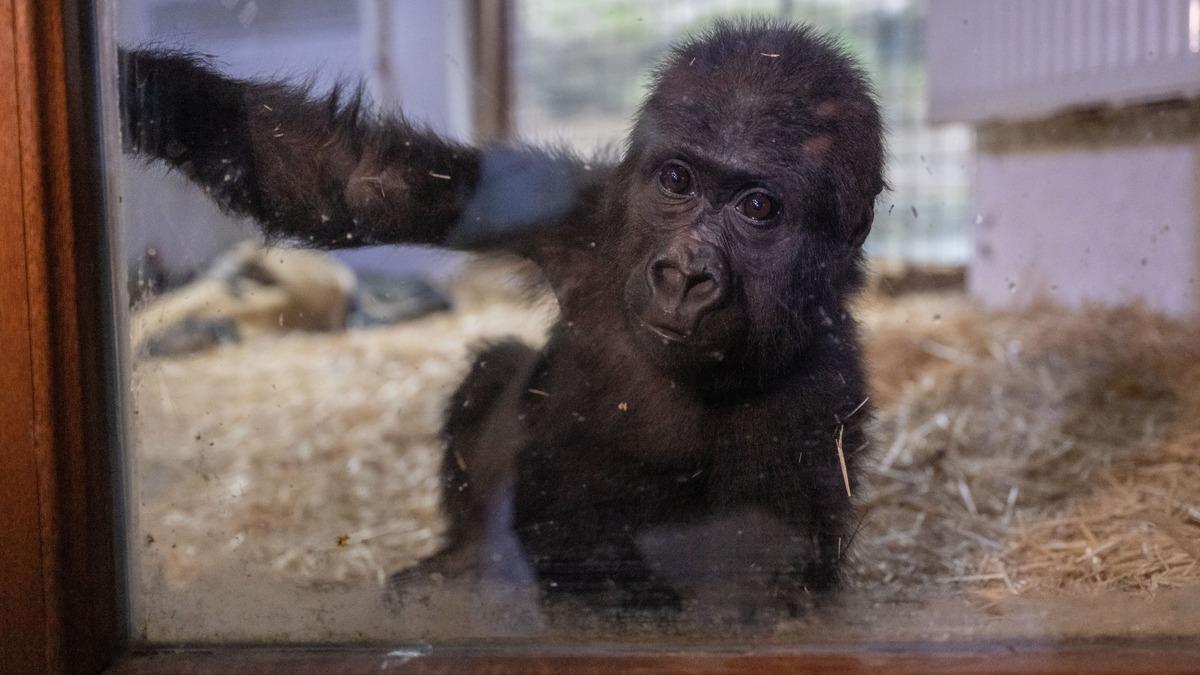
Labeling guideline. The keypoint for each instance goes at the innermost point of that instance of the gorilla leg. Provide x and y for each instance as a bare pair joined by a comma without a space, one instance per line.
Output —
482,434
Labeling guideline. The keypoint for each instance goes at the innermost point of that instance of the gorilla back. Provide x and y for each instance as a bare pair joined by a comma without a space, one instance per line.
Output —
705,366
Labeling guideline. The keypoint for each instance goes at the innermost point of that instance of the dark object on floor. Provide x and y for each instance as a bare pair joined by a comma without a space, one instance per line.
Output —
258,290
193,334
384,301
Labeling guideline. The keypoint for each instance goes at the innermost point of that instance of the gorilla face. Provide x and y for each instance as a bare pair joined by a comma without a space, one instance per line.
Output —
723,262
745,206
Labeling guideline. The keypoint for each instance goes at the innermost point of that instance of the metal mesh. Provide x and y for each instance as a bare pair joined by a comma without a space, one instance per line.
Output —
581,69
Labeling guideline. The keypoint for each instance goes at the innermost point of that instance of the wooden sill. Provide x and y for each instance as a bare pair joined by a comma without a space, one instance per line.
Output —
1163,658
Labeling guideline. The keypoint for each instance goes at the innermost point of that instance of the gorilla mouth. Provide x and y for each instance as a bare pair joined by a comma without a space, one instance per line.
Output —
665,333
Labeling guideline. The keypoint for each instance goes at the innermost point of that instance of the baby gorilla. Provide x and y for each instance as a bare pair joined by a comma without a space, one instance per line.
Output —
705,375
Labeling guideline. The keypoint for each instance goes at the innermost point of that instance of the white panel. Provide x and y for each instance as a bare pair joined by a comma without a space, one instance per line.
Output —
1078,226
1011,59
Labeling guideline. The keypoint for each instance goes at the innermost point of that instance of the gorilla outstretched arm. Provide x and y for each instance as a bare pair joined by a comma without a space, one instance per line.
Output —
328,173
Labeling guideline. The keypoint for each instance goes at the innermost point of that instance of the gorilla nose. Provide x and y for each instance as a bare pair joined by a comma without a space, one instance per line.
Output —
686,281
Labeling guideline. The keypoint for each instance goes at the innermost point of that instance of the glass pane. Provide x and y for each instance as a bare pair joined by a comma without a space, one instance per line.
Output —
531,322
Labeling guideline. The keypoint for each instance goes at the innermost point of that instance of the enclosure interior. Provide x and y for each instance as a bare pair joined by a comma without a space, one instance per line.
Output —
1028,321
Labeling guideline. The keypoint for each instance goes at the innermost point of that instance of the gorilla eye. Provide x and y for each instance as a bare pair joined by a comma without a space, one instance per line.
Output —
675,178
758,206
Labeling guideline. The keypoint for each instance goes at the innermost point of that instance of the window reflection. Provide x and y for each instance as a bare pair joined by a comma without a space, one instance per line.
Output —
1027,323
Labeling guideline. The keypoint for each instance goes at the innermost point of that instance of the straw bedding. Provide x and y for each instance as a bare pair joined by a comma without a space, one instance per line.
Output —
1024,452
1038,450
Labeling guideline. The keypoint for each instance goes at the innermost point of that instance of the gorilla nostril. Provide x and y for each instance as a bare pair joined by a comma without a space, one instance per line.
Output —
666,278
685,285
702,286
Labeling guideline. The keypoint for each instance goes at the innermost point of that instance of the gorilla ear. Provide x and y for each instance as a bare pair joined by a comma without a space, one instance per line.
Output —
862,228
856,216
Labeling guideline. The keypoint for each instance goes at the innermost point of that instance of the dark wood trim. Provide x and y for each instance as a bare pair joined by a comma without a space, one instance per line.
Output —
1163,659
490,34
23,602
60,597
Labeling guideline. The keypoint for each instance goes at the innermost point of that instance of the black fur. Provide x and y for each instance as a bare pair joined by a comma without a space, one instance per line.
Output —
704,364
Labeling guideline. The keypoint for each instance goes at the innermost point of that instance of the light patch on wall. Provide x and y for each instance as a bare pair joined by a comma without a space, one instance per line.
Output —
1194,26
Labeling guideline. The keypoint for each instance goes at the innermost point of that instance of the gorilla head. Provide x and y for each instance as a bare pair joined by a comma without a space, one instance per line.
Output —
747,189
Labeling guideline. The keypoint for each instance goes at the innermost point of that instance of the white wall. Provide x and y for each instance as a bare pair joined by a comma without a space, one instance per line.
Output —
1074,225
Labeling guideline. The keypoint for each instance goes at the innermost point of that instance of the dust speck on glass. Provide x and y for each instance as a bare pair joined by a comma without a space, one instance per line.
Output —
791,321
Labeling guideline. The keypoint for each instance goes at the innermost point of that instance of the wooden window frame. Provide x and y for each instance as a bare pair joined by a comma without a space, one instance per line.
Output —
60,591
490,24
